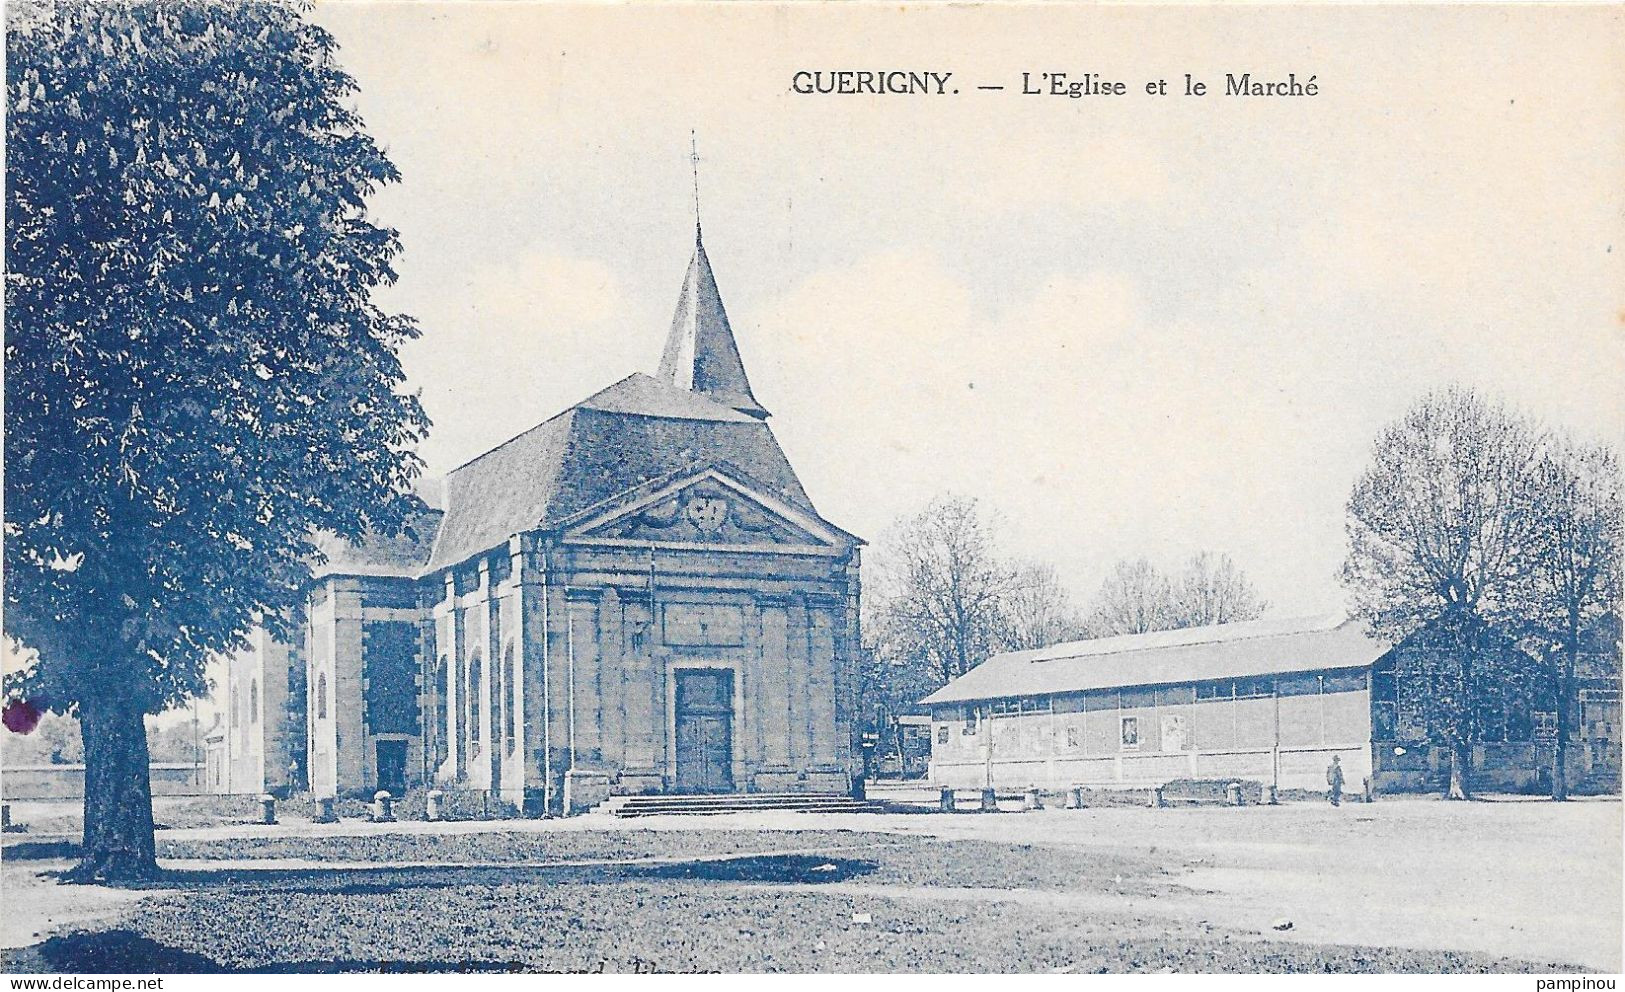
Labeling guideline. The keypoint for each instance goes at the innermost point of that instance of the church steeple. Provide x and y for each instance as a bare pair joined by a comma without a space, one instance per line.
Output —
700,354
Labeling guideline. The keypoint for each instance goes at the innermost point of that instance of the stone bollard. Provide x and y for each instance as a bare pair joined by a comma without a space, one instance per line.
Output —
1365,786
268,809
383,807
325,811
1158,801
1077,797
431,805
945,801
5,816
990,801
1232,794
1035,799
1274,798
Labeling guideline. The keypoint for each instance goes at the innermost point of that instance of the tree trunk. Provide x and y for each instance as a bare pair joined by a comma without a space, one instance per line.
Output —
118,840
1560,746
1461,772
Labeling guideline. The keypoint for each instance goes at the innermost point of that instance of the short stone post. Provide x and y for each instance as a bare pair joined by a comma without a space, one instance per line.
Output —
5,816
1365,786
1274,798
325,811
1035,799
1077,797
383,807
945,800
1232,794
1158,801
268,809
990,801
431,805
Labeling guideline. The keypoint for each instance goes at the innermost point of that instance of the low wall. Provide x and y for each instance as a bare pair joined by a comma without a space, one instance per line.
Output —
68,781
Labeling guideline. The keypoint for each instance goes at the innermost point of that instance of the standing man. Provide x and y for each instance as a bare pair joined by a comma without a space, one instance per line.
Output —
1334,779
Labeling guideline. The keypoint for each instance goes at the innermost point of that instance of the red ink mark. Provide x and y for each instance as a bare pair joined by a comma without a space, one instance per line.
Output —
20,716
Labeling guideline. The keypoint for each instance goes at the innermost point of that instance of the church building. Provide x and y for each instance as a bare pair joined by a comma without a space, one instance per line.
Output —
634,596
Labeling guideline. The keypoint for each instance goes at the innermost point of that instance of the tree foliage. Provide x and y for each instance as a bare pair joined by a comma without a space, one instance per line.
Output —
1574,582
1443,519
1443,536
196,377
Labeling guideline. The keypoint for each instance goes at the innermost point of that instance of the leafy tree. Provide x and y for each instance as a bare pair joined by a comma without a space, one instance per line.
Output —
196,377
1440,526
1575,580
54,741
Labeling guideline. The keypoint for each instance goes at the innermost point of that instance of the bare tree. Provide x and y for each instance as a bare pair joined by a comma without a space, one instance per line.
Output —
942,587
1135,598
1439,529
1575,579
1038,611
1213,590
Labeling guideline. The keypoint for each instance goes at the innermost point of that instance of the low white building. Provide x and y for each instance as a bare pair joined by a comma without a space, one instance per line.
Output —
1267,700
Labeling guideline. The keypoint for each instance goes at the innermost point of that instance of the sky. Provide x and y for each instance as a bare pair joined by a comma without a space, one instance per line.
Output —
1128,325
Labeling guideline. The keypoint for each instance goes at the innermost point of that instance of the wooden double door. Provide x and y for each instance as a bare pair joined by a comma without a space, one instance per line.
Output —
704,727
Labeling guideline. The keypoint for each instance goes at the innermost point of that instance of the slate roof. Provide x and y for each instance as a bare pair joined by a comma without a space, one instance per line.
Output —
635,431
700,353
404,554
1197,654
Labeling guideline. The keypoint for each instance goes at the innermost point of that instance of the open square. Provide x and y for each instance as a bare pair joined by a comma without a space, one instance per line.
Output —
1397,885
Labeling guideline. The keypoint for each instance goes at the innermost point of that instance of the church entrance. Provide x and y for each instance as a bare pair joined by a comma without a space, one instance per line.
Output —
391,755
705,730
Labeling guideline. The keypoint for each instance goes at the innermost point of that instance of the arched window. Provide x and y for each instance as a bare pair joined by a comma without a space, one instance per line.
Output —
321,696
476,675
236,707
508,690
254,701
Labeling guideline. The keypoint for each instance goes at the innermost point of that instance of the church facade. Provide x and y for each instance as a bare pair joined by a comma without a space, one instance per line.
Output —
636,595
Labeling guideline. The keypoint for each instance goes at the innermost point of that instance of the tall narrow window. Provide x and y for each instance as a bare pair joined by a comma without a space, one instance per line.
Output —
476,674
254,701
442,698
321,696
508,690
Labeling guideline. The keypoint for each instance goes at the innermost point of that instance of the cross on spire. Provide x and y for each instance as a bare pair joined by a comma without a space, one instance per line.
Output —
694,164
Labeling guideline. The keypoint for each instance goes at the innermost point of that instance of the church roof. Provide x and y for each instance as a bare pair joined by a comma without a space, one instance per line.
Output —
635,431
403,554
701,354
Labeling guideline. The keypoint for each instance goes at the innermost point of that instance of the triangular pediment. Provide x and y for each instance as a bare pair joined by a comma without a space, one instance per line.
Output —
709,508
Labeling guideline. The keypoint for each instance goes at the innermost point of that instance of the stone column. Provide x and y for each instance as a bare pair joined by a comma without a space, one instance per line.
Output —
611,680
798,719
347,705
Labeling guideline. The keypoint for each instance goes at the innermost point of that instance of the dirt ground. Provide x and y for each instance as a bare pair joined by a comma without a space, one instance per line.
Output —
1527,880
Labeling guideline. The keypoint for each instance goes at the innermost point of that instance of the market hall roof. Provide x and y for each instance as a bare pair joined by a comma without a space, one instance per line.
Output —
1167,657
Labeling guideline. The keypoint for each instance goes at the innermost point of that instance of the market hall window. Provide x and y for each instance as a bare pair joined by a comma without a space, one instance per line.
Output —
1131,732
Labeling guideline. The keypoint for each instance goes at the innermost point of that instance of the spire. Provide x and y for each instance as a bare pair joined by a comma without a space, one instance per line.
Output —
694,163
700,354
